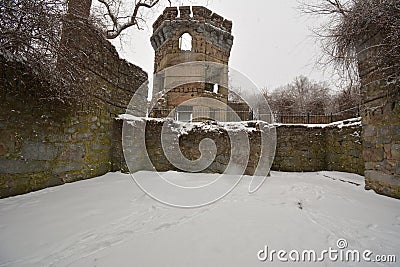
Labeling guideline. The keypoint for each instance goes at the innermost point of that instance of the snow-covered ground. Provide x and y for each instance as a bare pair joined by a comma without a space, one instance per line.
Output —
108,221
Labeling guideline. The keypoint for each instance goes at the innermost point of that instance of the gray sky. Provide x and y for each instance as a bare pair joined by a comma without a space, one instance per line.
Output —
272,44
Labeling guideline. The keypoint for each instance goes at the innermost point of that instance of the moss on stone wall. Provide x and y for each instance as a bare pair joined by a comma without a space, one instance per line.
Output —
44,142
299,148
317,148
344,149
189,146
381,148
380,91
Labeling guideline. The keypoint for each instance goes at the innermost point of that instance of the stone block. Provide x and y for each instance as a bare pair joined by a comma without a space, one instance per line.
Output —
382,177
383,188
17,166
369,131
69,166
83,136
201,13
39,151
170,13
395,151
388,151
72,153
216,20
227,25
70,130
373,154
3,149
184,12
370,165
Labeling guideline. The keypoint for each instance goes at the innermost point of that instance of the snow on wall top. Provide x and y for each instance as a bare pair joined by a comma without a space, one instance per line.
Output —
240,126
338,124
185,127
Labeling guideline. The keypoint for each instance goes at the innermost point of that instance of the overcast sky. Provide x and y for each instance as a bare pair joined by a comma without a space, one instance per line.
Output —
272,44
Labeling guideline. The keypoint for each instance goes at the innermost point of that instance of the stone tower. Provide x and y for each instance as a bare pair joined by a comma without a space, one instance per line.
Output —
184,35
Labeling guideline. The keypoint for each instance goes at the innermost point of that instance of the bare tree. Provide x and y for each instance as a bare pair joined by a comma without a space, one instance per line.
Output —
349,25
347,100
300,96
119,16
46,36
31,30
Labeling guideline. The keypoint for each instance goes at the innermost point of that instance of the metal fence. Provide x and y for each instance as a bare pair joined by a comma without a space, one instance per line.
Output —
229,116
309,118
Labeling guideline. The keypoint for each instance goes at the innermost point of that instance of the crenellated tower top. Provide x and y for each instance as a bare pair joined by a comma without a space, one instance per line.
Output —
198,13
208,34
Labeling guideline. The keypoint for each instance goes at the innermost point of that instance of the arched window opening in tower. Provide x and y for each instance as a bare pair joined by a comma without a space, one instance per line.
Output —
185,42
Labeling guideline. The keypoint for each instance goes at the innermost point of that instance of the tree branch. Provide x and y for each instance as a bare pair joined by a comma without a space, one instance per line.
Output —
133,20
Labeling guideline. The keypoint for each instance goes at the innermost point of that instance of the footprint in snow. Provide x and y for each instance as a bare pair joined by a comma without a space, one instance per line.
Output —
300,205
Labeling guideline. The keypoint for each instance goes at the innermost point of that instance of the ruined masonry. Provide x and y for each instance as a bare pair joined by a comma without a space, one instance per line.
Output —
45,144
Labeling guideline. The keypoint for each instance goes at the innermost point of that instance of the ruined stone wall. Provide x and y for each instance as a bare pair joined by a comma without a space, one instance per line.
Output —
381,122
344,148
189,145
381,137
330,147
44,145
44,142
299,148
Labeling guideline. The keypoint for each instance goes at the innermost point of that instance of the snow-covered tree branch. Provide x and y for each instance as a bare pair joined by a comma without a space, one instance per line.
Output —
120,15
350,23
